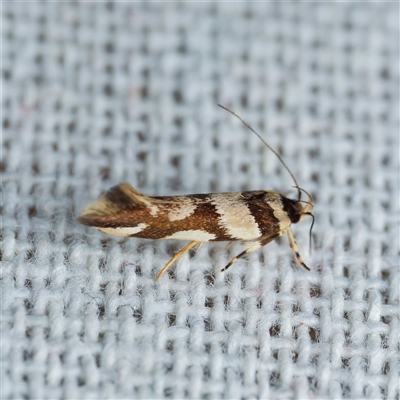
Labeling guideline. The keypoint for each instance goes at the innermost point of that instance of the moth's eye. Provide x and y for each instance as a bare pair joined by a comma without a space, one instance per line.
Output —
296,218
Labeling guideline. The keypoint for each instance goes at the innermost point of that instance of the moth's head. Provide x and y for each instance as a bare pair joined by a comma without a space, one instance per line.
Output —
298,209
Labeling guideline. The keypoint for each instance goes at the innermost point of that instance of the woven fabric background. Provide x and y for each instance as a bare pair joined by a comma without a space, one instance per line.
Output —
95,94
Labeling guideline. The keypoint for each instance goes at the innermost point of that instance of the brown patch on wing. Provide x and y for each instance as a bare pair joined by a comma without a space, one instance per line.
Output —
126,196
204,217
262,212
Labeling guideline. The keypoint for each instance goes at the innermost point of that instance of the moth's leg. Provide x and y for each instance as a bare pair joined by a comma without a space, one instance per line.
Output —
229,243
251,246
179,254
198,248
293,246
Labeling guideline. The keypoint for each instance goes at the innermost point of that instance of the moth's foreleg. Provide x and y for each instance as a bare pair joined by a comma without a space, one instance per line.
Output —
293,246
251,246
179,254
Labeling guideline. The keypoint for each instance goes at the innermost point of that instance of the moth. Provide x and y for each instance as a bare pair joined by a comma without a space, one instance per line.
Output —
254,217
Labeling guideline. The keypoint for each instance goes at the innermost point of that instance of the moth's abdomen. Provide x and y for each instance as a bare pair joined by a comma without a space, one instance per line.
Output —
204,217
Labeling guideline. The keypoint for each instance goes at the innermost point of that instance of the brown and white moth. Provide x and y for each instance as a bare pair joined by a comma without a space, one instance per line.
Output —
255,217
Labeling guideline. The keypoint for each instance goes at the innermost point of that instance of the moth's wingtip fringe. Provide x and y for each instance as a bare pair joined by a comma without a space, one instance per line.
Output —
95,210
120,197
84,220
125,195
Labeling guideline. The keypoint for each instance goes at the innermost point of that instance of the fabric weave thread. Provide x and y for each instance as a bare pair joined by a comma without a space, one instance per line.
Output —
95,94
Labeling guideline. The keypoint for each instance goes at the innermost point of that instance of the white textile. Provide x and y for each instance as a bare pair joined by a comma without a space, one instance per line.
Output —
97,93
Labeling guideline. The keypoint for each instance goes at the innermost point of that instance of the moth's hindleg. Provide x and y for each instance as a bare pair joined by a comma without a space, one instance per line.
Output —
293,246
199,246
179,254
251,246
234,259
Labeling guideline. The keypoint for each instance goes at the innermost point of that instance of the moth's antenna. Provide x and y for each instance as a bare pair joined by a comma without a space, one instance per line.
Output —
311,227
260,137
